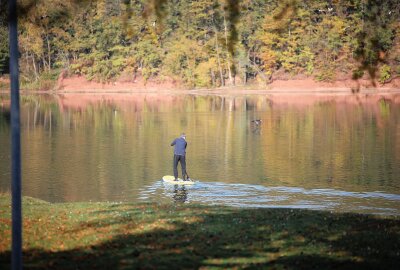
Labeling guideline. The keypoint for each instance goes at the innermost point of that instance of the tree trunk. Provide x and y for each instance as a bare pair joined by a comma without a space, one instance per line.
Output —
48,53
217,50
231,81
191,69
26,55
213,78
261,73
218,59
44,62
34,67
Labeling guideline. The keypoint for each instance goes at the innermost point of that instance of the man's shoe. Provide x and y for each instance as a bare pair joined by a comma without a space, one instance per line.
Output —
176,179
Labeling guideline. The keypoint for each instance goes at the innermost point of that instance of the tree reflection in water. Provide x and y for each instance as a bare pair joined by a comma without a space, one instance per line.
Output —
77,148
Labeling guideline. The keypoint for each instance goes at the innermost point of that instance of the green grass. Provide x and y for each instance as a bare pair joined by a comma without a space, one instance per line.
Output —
180,236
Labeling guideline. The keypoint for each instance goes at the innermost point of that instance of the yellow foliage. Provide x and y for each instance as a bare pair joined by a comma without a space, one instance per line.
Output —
203,72
31,39
182,58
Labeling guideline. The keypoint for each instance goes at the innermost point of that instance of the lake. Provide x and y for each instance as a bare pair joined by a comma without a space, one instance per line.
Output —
326,152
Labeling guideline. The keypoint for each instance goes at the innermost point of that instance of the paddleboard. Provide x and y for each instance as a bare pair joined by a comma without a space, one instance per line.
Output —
171,179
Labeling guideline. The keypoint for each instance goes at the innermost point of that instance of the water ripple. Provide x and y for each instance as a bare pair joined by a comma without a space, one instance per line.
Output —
258,196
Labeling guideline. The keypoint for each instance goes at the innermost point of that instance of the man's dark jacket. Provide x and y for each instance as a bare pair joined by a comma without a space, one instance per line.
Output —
180,146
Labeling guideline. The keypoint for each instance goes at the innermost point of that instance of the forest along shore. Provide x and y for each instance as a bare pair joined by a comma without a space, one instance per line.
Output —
205,44
103,235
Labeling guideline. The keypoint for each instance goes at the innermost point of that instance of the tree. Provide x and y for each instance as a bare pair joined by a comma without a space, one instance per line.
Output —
377,33
4,54
182,60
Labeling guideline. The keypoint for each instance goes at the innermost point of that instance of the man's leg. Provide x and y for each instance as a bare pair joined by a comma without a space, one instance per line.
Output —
175,166
183,165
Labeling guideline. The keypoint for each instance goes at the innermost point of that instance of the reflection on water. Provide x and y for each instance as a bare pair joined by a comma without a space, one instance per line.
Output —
116,147
245,195
180,194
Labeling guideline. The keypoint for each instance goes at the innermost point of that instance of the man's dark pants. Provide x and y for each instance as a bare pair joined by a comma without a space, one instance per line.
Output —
182,160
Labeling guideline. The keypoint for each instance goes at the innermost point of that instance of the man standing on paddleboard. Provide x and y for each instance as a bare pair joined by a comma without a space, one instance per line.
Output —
180,156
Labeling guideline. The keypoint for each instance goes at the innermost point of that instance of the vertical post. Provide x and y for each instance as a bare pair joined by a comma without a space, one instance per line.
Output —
16,257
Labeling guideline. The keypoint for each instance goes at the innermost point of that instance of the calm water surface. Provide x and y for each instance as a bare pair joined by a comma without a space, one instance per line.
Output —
338,153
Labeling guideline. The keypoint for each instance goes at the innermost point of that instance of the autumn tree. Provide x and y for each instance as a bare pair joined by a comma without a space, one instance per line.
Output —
206,43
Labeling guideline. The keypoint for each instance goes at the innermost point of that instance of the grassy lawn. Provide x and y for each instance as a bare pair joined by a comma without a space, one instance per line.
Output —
180,236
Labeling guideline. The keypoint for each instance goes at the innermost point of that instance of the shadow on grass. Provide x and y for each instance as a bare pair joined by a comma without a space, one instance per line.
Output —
192,237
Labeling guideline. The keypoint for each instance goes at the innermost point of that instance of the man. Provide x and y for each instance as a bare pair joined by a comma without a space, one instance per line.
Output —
180,156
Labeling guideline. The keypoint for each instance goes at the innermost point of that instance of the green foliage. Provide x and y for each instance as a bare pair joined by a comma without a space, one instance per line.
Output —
4,61
104,59
182,61
336,34
325,75
385,73
46,81
377,32
203,73
357,74
148,58
202,43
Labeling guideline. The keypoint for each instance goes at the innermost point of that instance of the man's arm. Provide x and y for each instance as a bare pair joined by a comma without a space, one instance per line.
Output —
173,142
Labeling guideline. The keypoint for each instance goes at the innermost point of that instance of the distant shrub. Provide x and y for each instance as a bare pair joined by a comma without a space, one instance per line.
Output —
357,74
46,81
385,73
325,75
397,69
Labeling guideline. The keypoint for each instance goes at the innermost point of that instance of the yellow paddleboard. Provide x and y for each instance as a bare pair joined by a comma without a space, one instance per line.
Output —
171,179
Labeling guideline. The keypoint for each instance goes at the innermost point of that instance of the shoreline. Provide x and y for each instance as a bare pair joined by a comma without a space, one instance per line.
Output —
218,91
79,85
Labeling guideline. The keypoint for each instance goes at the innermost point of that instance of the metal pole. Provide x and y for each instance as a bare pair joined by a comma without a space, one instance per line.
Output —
16,255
